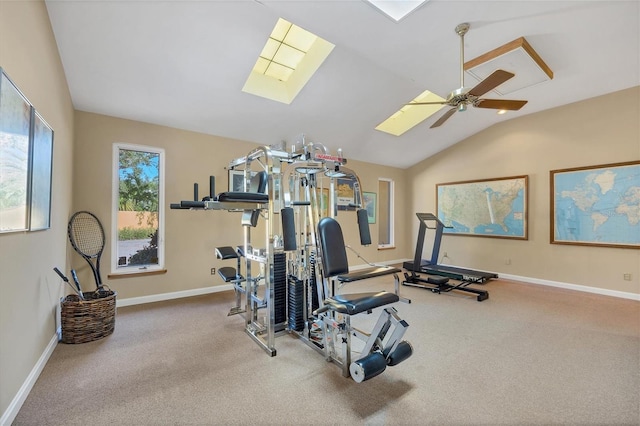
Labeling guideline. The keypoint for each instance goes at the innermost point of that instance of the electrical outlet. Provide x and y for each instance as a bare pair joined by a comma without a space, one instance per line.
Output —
213,271
627,277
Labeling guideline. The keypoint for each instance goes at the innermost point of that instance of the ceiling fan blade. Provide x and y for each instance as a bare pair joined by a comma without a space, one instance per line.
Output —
507,104
444,118
494,80
427,103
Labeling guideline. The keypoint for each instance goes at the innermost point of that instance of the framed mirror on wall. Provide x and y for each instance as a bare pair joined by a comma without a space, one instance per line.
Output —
26,155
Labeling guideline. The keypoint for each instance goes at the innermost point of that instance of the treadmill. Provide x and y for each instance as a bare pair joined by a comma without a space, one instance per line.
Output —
431,267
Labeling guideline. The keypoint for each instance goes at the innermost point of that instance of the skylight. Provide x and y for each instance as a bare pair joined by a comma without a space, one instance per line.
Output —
410,116
396,9
288,59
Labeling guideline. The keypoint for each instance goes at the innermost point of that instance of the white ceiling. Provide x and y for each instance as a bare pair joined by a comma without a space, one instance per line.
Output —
183,63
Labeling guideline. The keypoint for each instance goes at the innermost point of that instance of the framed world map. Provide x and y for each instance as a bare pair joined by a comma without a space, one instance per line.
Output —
596,205
484,208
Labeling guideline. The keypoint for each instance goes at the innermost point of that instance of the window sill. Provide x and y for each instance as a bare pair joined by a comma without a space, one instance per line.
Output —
387,248
136,274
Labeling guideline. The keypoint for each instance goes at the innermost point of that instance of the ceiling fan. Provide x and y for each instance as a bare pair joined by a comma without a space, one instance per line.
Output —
460,98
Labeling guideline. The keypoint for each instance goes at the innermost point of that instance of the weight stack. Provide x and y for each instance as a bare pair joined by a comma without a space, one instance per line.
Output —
296,304
280,287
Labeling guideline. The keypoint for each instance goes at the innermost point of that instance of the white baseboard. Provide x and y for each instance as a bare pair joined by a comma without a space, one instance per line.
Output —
173,295
577,287
12,411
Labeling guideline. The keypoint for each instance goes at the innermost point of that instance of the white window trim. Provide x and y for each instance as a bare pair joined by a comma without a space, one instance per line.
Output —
115,193
392,238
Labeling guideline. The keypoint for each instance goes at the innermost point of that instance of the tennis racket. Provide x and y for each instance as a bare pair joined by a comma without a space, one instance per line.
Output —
87,238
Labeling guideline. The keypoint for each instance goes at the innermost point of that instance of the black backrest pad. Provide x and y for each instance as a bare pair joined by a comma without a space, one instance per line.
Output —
288,229
258,183
334,254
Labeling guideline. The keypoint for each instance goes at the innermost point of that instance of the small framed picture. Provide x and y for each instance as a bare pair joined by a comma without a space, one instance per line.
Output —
346,194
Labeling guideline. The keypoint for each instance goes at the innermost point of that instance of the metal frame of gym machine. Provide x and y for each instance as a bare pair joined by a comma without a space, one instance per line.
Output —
323,322
261,330
303,259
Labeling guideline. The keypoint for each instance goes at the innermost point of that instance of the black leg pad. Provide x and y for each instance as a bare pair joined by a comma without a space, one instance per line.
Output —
368,367
403,351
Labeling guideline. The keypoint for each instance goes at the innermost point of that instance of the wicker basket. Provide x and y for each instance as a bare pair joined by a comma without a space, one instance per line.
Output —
90,319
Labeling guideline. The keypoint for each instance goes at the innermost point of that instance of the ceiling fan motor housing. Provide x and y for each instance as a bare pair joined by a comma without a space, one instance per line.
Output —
461,96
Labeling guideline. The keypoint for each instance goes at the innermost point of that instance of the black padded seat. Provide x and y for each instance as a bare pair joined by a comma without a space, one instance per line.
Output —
363,274
355,303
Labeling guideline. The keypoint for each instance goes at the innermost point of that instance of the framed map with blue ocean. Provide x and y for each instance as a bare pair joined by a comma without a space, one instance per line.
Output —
596,205
484,208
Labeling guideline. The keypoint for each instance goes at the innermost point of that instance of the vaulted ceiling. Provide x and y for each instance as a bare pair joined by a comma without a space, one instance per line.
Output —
183,64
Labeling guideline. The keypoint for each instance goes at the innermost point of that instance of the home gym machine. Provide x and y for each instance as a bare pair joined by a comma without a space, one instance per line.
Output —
301,260
440,282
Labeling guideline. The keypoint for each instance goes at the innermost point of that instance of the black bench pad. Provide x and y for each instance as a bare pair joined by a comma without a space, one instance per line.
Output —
229,274
247,197
226,252
355,303
363,274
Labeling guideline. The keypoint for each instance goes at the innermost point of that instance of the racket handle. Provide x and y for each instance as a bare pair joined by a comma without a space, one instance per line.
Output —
77,283
65,279
75,279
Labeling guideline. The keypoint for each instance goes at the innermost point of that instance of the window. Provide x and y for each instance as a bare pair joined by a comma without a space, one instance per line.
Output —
385,219
138,212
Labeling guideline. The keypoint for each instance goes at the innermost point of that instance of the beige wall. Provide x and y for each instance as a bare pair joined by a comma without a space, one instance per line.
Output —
190,236
29,289
596,131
